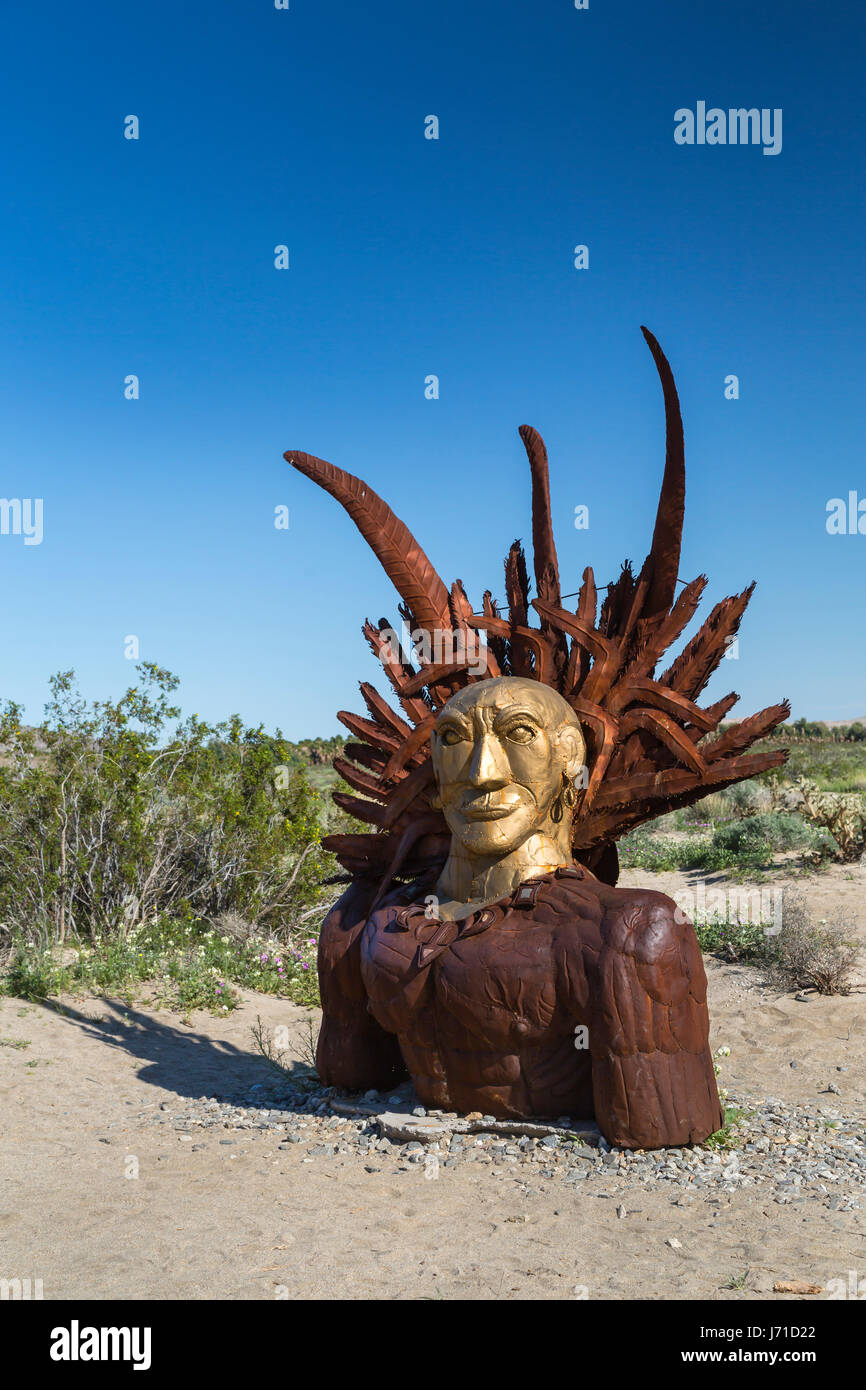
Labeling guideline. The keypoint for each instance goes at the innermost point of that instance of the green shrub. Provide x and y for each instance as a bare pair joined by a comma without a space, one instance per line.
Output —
802,953
776,830
744,941
644,850
747,843
189,965
117,813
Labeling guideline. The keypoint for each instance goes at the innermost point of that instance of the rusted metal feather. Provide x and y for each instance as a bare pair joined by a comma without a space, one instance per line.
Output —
664,557
397,550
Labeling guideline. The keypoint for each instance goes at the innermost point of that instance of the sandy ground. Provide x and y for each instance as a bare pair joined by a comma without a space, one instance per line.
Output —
835,893
251,1221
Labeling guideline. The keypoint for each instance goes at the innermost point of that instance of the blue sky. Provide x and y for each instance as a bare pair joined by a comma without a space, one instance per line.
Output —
411,257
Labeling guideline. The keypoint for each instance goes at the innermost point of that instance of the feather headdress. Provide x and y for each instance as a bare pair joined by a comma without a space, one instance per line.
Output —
651,748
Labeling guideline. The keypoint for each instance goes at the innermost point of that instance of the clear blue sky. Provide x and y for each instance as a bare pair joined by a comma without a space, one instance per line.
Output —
411,257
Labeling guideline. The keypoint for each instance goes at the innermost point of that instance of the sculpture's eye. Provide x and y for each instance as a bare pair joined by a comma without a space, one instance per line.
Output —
520,733
449,736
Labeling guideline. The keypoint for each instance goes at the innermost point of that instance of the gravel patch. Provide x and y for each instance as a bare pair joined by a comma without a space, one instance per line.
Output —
793,1153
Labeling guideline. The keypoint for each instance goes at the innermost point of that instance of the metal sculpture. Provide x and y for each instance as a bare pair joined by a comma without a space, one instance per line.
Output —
482,938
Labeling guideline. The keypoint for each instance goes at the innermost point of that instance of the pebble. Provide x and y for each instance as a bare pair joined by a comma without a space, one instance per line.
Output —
790,1153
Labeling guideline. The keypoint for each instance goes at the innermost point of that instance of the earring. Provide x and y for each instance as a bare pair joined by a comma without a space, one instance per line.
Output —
565,797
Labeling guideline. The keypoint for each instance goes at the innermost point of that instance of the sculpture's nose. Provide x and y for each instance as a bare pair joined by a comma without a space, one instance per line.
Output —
488,767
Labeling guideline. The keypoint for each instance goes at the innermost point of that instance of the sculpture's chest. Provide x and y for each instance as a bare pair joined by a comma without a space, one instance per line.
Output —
518,969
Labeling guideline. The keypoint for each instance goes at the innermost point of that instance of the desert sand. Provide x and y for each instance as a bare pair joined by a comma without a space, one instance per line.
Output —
232,1215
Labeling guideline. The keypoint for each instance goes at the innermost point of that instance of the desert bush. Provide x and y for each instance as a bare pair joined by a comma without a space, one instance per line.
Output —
186,965
749,798
234,926
812,954
832,766
748,843
298,1060
733,941
641,849
709,809
775,830
117,813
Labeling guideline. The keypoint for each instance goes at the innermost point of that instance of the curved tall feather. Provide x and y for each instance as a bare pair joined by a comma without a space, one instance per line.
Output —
400,555
664,556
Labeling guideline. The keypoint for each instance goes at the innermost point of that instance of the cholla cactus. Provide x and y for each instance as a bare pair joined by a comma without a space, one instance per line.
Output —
842,813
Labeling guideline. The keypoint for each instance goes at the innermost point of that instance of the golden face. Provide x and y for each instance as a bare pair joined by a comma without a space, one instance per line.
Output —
500,749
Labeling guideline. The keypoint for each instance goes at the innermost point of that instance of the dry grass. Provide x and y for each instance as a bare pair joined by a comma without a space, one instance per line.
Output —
811,955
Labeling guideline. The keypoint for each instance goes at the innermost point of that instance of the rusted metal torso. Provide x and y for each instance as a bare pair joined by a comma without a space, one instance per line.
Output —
487,1011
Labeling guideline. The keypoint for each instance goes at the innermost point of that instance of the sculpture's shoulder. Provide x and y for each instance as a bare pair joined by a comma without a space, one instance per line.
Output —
547,947
641,921
391,932
392,936
339,946
540,917
345,921
346,930
647,938
574,899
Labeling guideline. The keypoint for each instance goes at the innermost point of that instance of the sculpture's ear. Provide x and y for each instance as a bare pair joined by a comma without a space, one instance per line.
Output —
573,748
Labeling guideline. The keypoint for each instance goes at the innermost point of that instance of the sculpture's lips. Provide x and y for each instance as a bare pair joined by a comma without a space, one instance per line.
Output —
489,807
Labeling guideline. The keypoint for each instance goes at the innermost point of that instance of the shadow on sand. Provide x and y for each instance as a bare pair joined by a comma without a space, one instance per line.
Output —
178,1059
